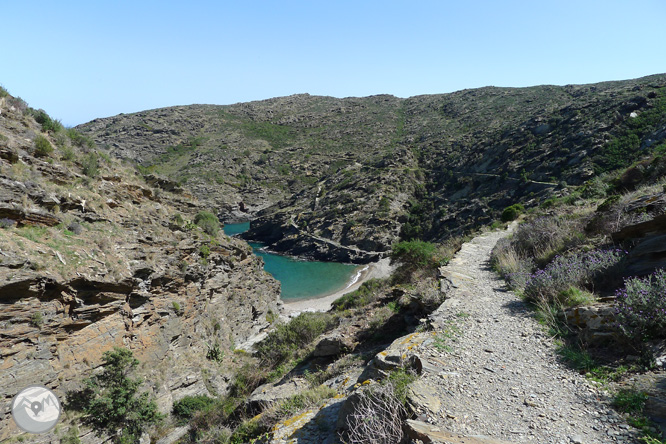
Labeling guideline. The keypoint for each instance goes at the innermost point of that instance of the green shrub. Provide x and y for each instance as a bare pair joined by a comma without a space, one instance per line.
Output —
90,165
186,408
629,401
512,212
577,358
283,342
79,139
178,220
204,251
208,222
365,294
111,403
72,436
414,253
215,353
247,431
68,153
298,402
37,319
43,147
641,306
400,379
47,123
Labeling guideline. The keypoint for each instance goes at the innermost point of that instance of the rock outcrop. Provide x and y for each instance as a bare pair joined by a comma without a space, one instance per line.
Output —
341,179
93,261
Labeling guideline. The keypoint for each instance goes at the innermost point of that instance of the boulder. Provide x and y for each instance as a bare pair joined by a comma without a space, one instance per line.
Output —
267,394
429,433
334,344
398,354
597,322
420,397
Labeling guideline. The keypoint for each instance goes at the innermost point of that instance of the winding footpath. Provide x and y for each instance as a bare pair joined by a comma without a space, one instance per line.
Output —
500,375
490,373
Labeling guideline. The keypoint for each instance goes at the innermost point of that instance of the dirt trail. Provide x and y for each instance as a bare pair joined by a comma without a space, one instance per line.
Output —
501,376
491,372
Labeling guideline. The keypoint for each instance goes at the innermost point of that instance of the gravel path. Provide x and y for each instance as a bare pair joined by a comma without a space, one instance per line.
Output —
499,374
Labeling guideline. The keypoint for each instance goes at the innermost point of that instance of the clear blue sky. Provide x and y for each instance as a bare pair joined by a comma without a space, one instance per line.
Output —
80,60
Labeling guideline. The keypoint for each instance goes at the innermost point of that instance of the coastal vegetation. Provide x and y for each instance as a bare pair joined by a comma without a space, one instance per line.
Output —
86,239
111,402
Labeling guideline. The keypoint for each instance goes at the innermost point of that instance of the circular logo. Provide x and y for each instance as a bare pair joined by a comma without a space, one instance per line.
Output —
36,409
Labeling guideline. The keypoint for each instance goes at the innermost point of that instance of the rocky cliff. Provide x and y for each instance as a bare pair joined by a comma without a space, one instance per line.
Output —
343,178
93,256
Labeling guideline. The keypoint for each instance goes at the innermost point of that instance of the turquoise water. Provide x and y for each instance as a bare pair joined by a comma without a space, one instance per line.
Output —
231,229
301,279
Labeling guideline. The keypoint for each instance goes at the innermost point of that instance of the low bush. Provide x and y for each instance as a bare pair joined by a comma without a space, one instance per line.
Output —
303,400
90,165
415,253
79,139
43,147
365,294
629,401
506,261
75,227
48,124
208,222
641,306
544,237
376,417
282,343
186,408
512,212
552,283
6,223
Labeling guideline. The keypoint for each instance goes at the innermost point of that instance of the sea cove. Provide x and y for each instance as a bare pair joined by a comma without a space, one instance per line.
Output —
301,279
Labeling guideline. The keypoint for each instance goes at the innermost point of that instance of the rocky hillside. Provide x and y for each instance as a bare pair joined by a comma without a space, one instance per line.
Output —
343,178
93,255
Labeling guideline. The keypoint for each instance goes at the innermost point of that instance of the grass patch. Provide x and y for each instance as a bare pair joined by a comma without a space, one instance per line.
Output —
577,358
366,294
445,337
629,401
287,340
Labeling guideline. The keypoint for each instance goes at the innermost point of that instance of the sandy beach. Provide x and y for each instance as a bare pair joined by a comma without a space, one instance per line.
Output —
380,269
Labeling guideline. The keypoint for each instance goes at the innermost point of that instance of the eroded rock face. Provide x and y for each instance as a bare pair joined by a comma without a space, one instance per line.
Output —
357,172
55,333
596,322
88,263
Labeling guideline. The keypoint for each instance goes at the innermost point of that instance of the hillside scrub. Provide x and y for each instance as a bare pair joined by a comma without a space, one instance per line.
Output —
512,212
111,402
641,306
553,283
288,339
208,222
366,293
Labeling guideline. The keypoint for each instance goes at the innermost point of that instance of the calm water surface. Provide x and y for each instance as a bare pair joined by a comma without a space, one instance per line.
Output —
301,279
